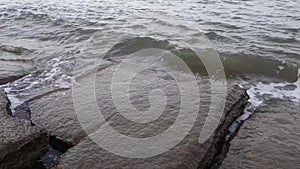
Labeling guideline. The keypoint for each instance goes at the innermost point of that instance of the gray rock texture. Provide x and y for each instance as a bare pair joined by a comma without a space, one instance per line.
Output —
21,145
268,140
55,112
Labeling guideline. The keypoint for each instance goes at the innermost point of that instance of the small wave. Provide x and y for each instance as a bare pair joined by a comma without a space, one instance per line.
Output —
28,15
281,39
225,25
84,31
131,45
294,30
15,50
263,69
214,36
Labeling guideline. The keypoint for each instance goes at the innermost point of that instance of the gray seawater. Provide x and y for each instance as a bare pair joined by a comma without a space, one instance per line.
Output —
258,41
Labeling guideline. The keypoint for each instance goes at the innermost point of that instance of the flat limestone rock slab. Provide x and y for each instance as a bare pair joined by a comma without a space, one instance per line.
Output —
21,145
56,113
269,139
187,154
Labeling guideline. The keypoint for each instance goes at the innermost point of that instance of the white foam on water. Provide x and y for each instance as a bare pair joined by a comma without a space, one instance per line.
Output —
286,90
261,92
53,77
280,68
12,98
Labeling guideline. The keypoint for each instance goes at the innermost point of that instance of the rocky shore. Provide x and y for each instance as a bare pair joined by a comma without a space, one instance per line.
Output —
269,139
21,144
54,112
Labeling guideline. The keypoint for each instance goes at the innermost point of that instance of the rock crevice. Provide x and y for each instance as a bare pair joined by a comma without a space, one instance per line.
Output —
21,145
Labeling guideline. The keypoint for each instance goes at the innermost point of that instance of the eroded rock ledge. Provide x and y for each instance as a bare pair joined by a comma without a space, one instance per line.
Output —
55,113
21,145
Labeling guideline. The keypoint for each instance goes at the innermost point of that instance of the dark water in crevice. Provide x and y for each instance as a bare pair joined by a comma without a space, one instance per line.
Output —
232,131
57,148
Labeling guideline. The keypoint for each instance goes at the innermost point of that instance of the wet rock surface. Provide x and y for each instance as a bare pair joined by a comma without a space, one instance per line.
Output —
21,145
55,112
264,48
269,139
187,154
